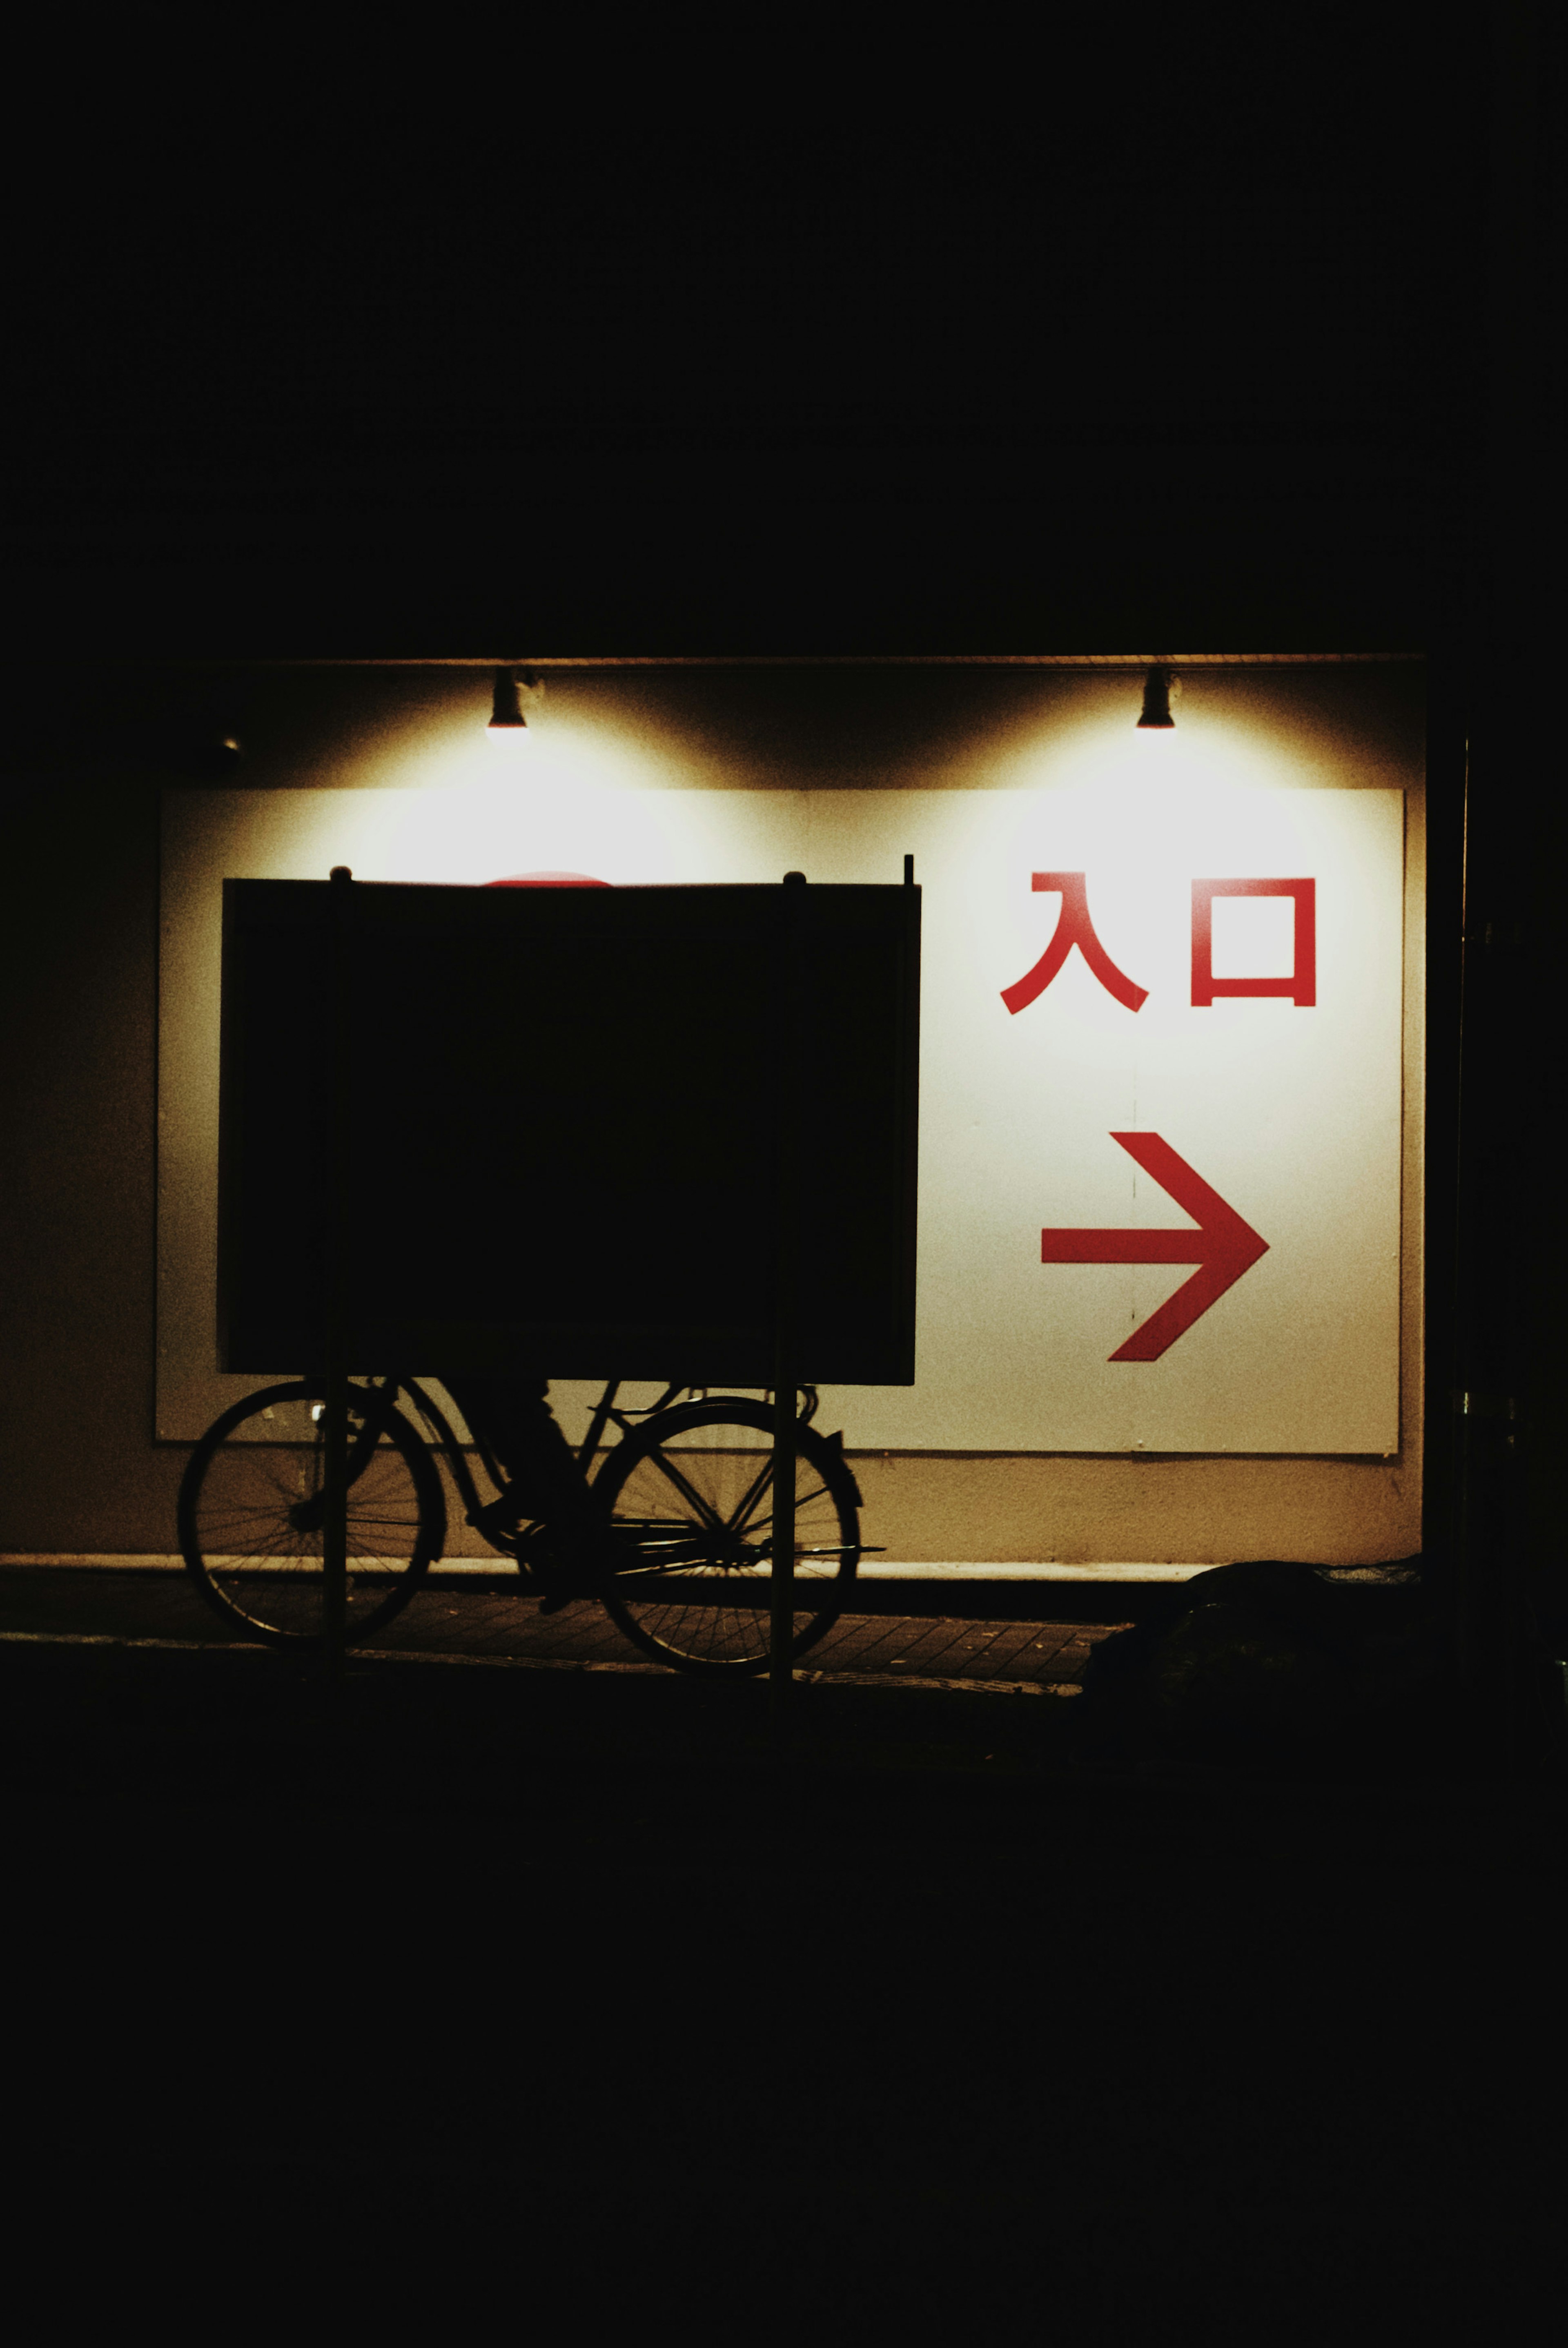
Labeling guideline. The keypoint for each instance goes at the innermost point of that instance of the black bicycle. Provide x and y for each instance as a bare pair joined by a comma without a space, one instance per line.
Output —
688,1489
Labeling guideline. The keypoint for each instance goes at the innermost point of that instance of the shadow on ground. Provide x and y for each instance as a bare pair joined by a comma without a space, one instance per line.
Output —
463,1989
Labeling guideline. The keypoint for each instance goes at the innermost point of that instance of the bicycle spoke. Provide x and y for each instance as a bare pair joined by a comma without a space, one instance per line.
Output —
689,1492
700,1593
241,1501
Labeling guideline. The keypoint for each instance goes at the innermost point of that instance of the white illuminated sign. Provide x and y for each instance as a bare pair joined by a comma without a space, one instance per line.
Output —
1161,1077
1161,1146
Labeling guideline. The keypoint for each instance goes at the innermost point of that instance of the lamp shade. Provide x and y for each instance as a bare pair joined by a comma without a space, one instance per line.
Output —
506,706
1156,710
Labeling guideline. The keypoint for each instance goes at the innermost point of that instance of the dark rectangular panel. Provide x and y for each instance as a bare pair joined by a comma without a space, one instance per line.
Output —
561,1130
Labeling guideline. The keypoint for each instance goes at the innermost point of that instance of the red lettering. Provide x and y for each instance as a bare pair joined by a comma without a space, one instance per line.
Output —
1301,986
1073,928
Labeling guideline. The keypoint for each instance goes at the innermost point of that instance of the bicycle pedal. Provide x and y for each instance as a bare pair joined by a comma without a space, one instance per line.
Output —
496,1517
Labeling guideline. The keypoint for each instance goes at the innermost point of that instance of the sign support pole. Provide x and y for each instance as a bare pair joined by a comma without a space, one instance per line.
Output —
334,1524
787,1258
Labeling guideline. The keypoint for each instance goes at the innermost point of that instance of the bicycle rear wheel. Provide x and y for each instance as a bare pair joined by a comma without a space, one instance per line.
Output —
692,1494
251,1510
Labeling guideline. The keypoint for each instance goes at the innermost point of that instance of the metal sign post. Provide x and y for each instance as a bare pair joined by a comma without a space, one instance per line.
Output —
334,1523
786,1252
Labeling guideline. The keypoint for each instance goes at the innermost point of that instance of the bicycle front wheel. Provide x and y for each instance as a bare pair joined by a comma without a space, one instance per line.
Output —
692,1494
252,1509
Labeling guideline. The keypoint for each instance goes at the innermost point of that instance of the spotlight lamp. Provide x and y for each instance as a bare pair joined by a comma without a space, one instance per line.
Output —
1158,686
513,687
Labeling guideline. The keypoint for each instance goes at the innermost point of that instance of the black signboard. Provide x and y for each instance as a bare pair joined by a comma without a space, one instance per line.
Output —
560,1140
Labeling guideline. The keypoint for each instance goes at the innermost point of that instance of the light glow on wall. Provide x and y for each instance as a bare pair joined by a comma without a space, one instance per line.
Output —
1019,1111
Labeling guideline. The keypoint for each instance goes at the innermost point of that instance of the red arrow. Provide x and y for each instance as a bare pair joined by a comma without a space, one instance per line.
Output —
1223,1247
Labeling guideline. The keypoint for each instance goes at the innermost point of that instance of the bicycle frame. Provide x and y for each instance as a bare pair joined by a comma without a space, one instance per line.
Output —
444,1436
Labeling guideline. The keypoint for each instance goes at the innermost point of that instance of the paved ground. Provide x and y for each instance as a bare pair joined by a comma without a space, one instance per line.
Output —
458,1990
95,1600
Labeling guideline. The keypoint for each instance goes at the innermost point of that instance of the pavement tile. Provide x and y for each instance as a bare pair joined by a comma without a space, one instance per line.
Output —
68,1601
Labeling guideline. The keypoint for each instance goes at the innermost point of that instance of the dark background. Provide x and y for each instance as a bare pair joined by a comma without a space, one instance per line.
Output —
1008,341
791,337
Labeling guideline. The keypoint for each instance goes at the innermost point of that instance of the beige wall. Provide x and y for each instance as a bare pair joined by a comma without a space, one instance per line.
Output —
81,1469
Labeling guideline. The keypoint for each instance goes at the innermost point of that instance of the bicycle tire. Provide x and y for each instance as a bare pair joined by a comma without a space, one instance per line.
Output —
697,1520
244,1490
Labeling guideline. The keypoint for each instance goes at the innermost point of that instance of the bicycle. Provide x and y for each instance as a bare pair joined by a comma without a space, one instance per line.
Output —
689,1492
